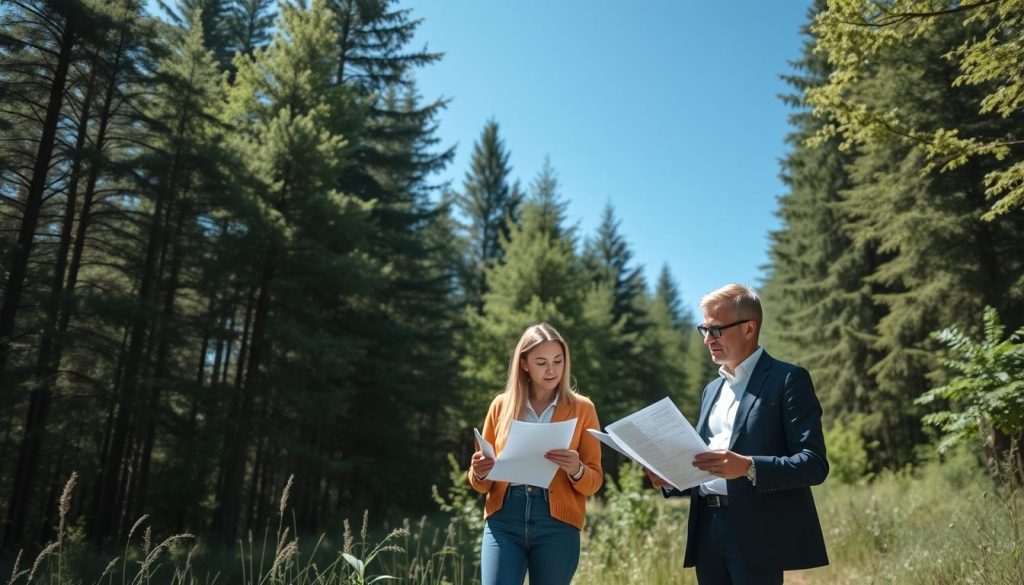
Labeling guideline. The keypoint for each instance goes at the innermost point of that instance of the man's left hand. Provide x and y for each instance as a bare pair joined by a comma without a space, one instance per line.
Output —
723,463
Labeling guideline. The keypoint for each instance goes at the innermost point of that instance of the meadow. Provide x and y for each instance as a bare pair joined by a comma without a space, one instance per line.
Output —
944,521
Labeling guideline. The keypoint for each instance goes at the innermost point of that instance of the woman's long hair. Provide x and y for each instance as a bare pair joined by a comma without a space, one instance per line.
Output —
517,388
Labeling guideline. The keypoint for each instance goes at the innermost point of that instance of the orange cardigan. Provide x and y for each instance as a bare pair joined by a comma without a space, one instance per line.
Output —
567,500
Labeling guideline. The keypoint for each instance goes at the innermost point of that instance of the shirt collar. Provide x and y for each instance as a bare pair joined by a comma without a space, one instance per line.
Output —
553,404
744,370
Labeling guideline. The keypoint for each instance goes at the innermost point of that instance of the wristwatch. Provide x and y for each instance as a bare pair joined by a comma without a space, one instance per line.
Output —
752,473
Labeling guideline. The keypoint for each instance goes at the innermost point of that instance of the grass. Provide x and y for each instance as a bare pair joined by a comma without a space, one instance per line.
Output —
943,522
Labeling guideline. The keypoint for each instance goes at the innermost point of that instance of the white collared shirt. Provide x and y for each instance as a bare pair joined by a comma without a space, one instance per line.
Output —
723,414
545,415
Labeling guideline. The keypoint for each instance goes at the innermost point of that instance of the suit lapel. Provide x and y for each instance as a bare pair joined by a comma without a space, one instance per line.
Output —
705,407
750,394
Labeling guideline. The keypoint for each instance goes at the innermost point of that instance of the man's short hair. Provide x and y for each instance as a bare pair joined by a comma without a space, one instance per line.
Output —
744,300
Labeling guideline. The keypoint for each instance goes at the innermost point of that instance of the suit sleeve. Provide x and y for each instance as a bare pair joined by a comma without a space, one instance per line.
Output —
807,464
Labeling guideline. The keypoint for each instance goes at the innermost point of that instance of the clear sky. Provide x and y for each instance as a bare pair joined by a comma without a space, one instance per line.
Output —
668,110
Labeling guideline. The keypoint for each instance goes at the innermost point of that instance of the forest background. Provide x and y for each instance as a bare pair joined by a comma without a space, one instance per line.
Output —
227,264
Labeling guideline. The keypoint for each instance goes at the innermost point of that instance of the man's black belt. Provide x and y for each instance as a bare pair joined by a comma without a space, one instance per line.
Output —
715,500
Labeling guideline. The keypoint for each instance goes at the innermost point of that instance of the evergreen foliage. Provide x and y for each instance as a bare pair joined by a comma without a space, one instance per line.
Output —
489,202
879,246
539,280
225,261
624,361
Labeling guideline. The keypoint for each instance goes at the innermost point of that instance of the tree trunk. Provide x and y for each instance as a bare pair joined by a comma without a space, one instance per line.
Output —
18,269
49,346
18,510
236,445
160,371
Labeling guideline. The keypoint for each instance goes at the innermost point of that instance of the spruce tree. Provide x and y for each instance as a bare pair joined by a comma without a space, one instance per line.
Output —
489,202
539,280
289,114
630,375
819,309
669,337
943,262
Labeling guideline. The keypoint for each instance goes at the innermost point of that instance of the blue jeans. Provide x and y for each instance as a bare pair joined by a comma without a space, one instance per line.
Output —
522,535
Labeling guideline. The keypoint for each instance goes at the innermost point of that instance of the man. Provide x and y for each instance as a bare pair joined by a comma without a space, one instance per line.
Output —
762,421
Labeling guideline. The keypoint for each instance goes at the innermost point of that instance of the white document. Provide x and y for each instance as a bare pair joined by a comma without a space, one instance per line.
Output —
522,460
661,439
608,440
486,448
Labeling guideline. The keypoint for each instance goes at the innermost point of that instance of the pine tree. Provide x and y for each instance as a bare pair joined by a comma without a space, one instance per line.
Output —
216,19
943,262
393,154
857,284
289,113
629,375
819,311
669,337
539,280
249,24
489,201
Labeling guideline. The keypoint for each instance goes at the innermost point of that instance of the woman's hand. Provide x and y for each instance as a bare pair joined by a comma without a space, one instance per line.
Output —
481,465
567,459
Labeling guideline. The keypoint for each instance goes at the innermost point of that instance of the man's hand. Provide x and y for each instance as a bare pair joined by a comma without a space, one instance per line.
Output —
723,463
656,480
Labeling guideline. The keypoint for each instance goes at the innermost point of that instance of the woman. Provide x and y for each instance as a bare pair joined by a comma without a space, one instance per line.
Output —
526,527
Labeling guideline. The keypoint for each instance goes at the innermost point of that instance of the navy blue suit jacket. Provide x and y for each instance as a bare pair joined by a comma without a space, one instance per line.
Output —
778,424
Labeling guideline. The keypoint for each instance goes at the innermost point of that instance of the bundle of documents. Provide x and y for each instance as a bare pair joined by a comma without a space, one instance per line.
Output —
522,460
659,438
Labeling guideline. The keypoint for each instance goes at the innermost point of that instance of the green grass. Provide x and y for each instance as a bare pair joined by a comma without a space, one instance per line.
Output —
943,522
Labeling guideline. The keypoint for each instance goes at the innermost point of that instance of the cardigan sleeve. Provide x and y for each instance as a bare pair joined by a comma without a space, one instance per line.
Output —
489,433
589,449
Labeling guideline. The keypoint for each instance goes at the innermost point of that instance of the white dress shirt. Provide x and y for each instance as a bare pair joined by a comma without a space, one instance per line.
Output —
723,414
545,415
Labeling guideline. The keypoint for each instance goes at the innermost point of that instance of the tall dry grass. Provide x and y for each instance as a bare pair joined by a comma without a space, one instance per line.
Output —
944,522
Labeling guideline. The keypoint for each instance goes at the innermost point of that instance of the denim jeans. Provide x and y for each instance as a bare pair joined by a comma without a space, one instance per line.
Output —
523,536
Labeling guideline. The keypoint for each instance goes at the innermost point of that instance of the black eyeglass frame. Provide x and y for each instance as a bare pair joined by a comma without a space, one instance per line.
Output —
716,330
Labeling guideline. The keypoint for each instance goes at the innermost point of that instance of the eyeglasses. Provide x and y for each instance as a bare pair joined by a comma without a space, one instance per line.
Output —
716,330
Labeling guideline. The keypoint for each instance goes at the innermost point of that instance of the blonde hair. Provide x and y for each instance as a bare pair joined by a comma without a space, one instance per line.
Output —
517,388
744,300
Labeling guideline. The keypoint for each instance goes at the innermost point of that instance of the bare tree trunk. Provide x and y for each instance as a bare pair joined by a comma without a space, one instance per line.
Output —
50,348
226,514
17,509
160,373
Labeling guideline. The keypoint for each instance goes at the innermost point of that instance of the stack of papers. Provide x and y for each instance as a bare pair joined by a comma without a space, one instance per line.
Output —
659,438
522,460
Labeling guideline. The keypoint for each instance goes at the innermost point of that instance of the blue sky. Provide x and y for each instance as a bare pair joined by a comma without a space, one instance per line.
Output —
668,110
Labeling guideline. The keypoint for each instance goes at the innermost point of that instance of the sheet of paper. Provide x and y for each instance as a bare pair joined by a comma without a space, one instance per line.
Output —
608,440
486,448
661,439
522,460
